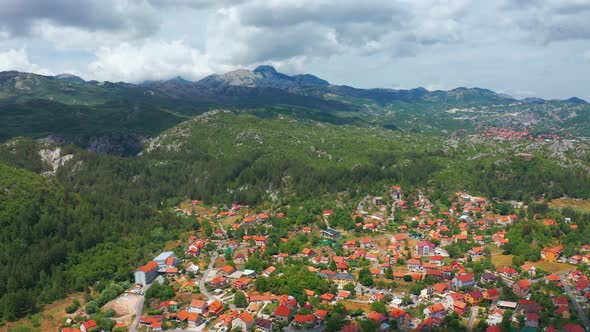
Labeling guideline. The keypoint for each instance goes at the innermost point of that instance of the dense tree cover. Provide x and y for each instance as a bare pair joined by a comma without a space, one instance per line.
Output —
55,241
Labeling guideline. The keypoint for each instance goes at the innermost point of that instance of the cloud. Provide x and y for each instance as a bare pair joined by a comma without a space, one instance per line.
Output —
587,55
550,20
149,61
18,59
18,16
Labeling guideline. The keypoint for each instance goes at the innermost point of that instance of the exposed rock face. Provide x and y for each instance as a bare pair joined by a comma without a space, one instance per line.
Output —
116,143
53,159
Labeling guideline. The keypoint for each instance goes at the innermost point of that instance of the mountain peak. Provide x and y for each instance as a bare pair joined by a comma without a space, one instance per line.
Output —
577,100
265,69
70,78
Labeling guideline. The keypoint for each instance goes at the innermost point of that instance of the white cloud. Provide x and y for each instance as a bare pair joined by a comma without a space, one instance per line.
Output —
148,61
18,59
587,55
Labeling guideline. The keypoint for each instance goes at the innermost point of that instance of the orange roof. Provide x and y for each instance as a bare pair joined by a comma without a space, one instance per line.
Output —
524,283
182,314
149,267
228,269
246,317
198,303
215,305
396,313
438,307
282,310
553,277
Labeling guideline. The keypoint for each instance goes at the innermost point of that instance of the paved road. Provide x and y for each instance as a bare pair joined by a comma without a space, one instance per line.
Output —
139,311
581,313
206,274
474,310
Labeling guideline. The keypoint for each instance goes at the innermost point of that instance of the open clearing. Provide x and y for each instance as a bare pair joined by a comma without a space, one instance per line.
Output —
575,203
51,316
125,306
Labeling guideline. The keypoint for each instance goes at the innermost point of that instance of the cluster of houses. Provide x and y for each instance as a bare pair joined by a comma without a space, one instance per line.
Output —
412,254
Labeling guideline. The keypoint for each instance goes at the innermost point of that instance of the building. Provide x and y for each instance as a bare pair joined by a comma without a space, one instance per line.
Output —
147,273
165,259
463,280
521,287
330,233
552,254
424,248
339,279
244,321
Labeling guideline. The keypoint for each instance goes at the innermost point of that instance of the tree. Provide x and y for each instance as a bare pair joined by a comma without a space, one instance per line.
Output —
365,277
240,300
379,307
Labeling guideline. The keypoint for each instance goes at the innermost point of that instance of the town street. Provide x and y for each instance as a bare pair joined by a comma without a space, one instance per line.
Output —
474,310
581,313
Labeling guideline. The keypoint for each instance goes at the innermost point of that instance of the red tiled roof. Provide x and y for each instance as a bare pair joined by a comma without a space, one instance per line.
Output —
149,267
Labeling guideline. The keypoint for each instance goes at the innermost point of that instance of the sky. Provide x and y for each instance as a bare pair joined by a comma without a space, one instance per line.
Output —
520,47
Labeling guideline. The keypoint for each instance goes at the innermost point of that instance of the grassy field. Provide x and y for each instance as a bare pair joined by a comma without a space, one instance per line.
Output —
552,267
575,203
500,260
355,305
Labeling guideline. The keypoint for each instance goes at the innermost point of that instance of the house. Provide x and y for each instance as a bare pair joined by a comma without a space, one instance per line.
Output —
474,297
476,252
378,200
165,259
327,297
553,278
508,272
436,259
521,287
308,253
491,294
349,245
226,271
268,271
464,280
551,254
531,320
424,248
282,313
436,310
378,317
366,242
330,233
198,306
218,282
88,325
494,319
563,312
147,273
264,325
487,277
460,307
306,230
414,264
244,321
240,258
401,317
304,319
215,308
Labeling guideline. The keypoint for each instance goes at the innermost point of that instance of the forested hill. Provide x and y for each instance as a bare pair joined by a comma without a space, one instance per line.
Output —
55,240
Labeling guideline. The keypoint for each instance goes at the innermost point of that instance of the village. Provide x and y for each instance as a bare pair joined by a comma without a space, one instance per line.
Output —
400,263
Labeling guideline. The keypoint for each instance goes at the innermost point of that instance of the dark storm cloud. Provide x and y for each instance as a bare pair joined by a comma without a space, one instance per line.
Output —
18,16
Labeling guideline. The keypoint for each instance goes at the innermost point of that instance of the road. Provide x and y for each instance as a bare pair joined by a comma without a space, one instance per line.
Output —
581,313
474,310
206,274
139,311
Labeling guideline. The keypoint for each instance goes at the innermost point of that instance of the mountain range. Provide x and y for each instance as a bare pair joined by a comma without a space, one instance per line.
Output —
66,108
